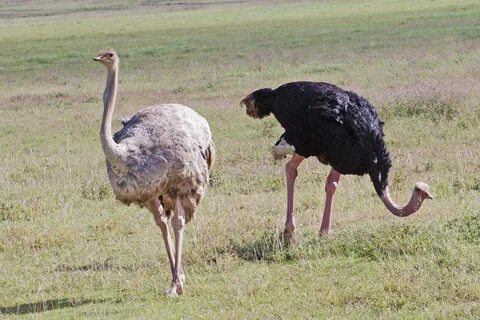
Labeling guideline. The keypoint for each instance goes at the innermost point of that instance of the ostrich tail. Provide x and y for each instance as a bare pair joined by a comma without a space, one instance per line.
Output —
380,164
210,154
124,120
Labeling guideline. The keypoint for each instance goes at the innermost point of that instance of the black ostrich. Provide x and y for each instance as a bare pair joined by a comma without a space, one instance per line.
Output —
341,129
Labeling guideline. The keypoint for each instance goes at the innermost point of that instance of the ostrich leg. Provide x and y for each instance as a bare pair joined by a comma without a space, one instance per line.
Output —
330,187
161,220
178,224
291,173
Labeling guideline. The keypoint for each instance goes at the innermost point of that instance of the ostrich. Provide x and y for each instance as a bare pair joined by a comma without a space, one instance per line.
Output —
338,127
160,159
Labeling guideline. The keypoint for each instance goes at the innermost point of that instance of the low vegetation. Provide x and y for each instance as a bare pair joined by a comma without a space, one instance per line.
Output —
68,250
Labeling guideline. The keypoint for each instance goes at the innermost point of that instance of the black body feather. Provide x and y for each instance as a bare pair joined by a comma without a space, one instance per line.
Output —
339,127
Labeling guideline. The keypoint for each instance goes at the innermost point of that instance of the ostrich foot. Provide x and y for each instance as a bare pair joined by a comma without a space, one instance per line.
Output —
177,286
323,232
175,290
288,235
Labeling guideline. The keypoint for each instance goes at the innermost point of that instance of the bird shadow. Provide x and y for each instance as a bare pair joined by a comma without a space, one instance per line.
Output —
41,306
270,246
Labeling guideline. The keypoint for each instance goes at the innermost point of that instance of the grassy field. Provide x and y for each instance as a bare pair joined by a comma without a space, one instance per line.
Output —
68,250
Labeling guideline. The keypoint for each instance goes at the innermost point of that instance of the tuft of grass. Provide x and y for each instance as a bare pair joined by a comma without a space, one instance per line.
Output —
467,183
466,228
430,109
381,244
92,191
14,212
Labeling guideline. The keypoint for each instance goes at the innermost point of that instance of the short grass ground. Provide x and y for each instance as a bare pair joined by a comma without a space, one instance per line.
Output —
68,250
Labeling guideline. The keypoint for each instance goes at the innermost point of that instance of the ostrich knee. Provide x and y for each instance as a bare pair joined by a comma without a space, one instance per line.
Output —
161,221
178,224
331,187
331,184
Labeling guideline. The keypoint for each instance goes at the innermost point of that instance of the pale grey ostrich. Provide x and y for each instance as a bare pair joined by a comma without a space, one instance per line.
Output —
160,159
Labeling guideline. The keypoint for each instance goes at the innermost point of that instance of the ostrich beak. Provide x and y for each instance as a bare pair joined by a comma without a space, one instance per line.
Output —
429,195
99,58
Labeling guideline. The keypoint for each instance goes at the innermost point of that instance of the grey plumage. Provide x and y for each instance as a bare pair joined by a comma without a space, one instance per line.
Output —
166,155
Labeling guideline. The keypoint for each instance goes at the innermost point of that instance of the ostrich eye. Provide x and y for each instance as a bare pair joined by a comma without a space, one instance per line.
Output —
110,55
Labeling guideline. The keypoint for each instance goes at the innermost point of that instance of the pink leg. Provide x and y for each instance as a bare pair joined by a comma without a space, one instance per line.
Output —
291,173
330,187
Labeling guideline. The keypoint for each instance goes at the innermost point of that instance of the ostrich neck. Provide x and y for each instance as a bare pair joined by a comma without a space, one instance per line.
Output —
412,206
111,149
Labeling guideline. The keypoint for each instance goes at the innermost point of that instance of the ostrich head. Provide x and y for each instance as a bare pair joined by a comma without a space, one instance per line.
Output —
422,191
258,103
108,57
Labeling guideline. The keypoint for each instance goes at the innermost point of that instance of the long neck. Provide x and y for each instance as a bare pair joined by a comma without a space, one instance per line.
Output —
412,206
111,149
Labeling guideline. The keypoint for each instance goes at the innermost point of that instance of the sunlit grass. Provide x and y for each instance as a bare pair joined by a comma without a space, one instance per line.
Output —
68,250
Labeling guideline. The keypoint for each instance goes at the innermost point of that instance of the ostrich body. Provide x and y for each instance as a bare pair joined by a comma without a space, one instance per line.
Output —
160,159
341,129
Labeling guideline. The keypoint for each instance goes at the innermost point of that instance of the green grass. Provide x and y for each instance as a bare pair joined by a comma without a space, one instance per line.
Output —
68,250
